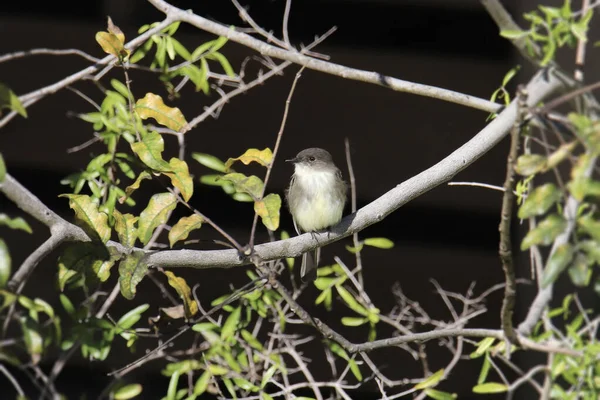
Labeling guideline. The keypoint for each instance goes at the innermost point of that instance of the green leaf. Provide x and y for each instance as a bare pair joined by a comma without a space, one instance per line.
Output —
2,168
152,106
590,226
15,223
9,100
262,157
381,243
5,263
172,389
183,290
351,301
180,178
529,164
183,227
355,370
438,395
231,324
485,369
251,185
132,270
81,257
125,228
431,380
128,392
34,340
582,187
490,387
561,258
513,34
135,185
202,383
95,223
483,347
539,201
545,232
217,369
580,271
251,340
354,321
560,154
210,161
67,305
149,150
268,210
131,317
267,376
155,214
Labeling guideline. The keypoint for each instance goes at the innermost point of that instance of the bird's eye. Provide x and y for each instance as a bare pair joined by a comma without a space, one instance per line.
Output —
311,158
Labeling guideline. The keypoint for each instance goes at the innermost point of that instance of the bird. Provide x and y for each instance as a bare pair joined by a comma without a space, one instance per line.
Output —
316,198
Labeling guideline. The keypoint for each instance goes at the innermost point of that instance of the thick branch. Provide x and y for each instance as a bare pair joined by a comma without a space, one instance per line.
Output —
327,67
539,88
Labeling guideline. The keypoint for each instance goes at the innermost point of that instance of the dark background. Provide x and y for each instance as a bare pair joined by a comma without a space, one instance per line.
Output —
449,234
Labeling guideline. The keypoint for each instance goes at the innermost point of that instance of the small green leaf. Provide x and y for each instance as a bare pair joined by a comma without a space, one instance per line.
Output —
183,227
9,100
355,370
545,232
483,347
128,392
183,290
262,157
152,106
381,243
529,164
268,210
155,214
580,271
231,324
125,228
439,395
202,383
430,381
490,387
590,226
95,223
560,154
131,317
132,270
217,369
351,301
513,34
251,340
485,369
80,258
539,201
354,321
67,305
180,178
210,161
5,263
15,223
583,186
252,184
267,376
561,258
172,389
149,150
34,341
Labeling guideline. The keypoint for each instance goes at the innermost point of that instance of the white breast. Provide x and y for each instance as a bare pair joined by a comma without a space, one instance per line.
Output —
320,207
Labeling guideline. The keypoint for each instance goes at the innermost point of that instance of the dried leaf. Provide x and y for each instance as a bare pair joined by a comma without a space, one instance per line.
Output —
268,210
152,106
180,178
183,290
183,227
263,157
132,270
95,223
125,228
156,213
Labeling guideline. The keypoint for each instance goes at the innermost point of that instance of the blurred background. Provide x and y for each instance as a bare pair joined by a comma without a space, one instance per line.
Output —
449,234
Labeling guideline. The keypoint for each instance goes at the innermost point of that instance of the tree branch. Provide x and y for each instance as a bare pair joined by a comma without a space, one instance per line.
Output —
327,67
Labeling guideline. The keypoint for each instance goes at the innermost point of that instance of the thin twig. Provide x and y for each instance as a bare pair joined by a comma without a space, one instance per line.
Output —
275,150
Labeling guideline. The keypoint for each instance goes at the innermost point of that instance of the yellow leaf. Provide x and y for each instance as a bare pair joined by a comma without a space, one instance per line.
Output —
154,214
115,30
152,106
134,186
183,227
125,227
263,157
95,223
180,285
149,150
268,210
180,178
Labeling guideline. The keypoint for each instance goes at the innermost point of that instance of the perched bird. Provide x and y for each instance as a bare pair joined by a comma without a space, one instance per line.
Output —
316,198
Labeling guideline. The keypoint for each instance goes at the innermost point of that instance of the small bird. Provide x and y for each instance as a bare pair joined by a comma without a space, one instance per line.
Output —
316,198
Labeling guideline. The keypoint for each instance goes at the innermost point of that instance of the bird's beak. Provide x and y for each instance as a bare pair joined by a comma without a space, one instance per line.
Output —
292,160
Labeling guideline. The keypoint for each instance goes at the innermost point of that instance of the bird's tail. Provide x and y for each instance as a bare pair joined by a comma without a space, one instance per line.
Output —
310,261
